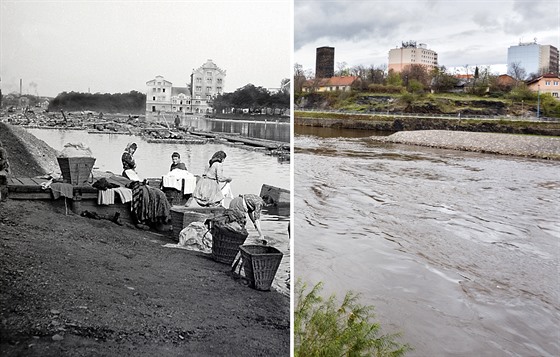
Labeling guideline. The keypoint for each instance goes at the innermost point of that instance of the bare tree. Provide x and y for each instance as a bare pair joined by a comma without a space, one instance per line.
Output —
516,71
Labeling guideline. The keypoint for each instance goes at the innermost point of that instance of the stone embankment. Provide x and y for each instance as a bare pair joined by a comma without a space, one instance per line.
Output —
541,147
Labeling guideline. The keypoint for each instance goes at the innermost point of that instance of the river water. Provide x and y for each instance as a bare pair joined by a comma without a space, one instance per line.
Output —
458,251
248,169
269,129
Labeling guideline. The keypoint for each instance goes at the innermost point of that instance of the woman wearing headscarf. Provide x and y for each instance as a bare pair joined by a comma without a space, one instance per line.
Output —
208,191
128,163
247,205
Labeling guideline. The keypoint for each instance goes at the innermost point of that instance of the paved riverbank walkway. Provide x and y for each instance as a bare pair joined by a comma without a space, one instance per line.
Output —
542,147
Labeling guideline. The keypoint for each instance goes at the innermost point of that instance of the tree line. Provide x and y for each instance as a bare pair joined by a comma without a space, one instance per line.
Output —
253,99
417,78
132,102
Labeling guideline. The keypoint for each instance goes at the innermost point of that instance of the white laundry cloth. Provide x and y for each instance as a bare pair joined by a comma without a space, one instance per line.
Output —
125,194
179,180
106,197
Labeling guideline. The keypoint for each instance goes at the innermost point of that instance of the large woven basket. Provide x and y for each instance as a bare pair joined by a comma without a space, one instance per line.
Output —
225,244
260,263
76,170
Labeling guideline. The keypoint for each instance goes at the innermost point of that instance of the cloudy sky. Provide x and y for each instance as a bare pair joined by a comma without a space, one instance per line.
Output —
475,32
117,46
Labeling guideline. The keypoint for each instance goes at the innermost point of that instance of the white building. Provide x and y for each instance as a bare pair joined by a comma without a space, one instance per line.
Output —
535,59
196,98
410,53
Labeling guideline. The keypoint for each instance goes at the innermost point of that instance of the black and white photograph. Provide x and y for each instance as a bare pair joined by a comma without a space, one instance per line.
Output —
145,178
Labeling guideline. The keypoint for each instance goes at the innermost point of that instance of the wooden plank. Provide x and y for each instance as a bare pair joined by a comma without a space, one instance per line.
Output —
30,195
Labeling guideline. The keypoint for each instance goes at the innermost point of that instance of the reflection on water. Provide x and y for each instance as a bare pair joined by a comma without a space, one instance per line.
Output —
248,169
270,129
459,251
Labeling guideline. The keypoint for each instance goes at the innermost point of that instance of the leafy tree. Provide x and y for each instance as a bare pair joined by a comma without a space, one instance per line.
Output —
324,328
441,80
394,79
417,72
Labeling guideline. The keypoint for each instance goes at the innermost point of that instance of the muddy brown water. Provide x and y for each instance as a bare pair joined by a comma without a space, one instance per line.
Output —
458,251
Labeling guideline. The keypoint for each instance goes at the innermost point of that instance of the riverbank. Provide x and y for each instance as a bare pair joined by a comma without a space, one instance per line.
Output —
540,147
391,124
74,286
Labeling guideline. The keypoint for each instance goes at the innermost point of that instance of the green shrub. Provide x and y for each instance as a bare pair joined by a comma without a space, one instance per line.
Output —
322,328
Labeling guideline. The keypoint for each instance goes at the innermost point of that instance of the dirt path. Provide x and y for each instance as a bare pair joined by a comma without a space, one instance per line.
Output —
70,285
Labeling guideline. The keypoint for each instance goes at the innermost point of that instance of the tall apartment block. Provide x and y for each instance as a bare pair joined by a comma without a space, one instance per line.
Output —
324,62
206,82
409,53
535,59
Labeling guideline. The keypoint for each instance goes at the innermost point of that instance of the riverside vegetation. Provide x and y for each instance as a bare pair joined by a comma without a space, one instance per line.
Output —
322,327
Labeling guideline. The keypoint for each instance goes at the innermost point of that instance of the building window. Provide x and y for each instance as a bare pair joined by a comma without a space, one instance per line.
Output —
208,97
159,90
198,80
208,80
219,81
154,89
555,94
209,74
219,89
153,98
163,90
198,88
555,83
208,90
547,83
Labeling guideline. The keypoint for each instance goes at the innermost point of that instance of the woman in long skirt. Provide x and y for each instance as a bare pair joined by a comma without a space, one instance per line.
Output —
208,191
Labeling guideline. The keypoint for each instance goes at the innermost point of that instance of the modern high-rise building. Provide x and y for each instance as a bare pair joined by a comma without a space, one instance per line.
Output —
535,59
324,62
409,53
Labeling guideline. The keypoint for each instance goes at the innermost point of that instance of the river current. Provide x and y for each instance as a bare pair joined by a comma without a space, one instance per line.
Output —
458,251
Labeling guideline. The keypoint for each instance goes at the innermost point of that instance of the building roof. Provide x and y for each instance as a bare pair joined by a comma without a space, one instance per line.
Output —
544,76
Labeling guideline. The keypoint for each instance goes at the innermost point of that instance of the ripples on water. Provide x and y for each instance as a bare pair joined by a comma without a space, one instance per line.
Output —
249,170
460,251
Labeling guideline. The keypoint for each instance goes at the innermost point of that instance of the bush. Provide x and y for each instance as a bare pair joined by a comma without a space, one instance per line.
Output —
321,328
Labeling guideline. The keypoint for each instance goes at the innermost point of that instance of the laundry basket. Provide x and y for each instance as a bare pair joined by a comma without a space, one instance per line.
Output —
76,170
260,263
226,242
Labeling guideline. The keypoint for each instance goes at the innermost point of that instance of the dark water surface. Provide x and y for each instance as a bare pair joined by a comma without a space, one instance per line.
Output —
459,251
248,169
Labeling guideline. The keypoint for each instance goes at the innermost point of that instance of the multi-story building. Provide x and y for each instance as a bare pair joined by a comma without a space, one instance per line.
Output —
411,54
533,58
205,83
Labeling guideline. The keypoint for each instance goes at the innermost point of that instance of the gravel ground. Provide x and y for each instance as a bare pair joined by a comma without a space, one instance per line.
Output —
542,147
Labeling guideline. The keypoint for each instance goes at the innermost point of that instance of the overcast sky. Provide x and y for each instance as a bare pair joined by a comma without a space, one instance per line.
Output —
117,46
476,32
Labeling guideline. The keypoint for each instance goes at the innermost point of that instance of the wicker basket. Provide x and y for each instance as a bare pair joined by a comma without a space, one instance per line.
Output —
260,263
76,170
225,244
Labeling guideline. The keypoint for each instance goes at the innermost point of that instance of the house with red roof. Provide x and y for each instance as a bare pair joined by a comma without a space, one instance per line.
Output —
343,84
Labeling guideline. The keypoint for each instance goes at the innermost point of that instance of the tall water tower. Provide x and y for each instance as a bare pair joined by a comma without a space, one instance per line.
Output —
324,62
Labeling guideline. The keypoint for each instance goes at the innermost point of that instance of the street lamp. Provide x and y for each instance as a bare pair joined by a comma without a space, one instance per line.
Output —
538,101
